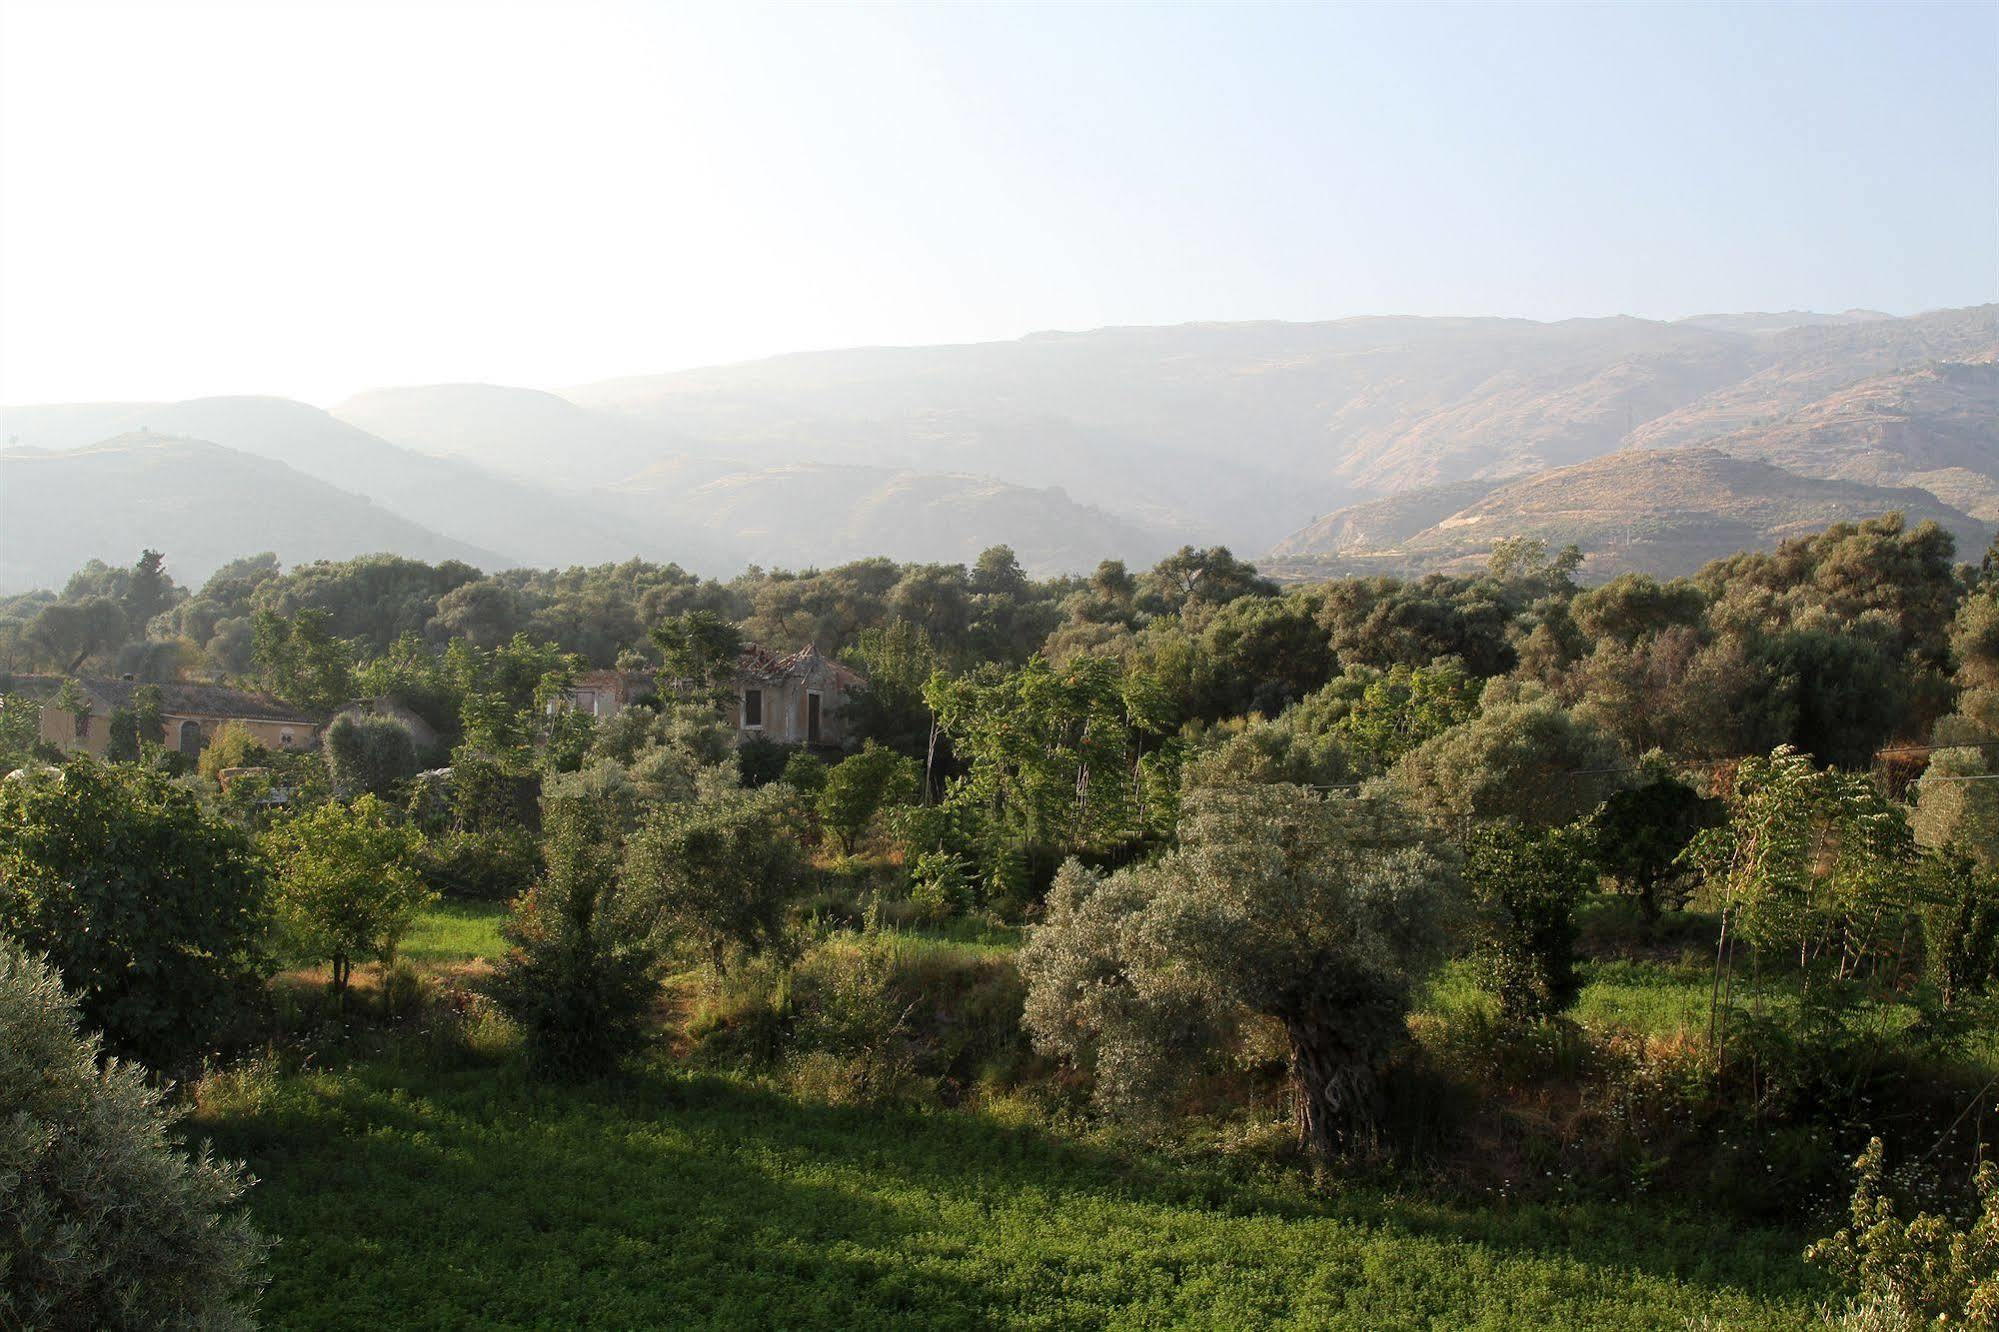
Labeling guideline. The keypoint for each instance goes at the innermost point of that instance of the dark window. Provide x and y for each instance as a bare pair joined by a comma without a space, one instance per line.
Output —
753,707
189,739
82,720
812,719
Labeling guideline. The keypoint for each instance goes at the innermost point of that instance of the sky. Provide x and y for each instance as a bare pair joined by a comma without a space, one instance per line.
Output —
311,199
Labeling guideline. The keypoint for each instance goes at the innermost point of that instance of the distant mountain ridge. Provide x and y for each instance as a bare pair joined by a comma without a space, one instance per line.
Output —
1313,440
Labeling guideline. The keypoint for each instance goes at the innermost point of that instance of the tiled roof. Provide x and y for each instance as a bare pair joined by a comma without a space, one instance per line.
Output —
760,663
198,700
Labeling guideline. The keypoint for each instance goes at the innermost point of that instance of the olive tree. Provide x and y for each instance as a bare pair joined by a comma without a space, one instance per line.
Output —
859,786
1528,761
153,909
1320,912
580,973
720,873
105,1221
348,883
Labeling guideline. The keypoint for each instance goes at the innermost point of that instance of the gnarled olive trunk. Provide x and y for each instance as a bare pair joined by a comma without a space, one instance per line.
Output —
1333,1085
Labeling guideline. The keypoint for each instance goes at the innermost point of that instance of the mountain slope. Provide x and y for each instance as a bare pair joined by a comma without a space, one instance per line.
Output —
449,496
1937,428
201,503
816,513
1664,511
1806,364
524,432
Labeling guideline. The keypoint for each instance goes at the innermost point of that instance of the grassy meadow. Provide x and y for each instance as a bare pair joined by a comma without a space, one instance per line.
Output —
436,1185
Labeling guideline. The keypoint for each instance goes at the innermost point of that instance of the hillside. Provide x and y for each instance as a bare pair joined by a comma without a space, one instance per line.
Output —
1662,511
525,432
1937,428
455,498
204,504
1806,364
815,513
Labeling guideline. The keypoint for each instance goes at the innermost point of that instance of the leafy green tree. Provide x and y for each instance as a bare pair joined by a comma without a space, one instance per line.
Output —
348,885
1526,886
580,973
805,773
897,662
153,909
20,730
1927,1271
1378,716
301,660
107,1222
369,754
133,729
1960,914
1527,761
859,786
1638,835
149,592
71,633
1322,913
1191,577
698,653
719,874
1811,871
234,746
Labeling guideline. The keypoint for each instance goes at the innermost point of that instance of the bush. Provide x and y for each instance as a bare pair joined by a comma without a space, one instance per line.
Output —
580,974
859,786
762,760
232,747
347,883
104,1220
1526,886
721,874
492,866
372,754
1924,1272
153,909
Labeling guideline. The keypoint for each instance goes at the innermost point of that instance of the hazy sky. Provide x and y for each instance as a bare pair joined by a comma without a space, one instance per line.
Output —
311,199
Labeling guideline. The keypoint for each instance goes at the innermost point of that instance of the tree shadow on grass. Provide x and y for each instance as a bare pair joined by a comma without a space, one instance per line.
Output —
474,1197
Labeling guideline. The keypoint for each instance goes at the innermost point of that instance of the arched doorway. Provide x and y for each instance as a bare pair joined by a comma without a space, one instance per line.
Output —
190,739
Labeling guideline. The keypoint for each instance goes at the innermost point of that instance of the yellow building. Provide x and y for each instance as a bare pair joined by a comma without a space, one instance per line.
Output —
191,714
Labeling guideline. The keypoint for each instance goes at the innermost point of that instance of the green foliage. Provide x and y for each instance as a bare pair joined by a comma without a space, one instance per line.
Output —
1321,913
761,760
1526,886
347,883
20,730
369,754
897,661
1530,762
859,786
1638,835
939,887
1960,914
1927,1271
301,660
580,973
492,866
1378,716
805,773
720,874
234,746
105,1221
698,653
153,910
1056,759
132,730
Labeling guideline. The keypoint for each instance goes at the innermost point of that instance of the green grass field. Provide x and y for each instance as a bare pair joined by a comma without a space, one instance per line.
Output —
409,1197
452,932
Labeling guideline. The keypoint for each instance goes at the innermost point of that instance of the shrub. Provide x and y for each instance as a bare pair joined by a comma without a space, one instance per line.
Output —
104,1220
1926,1271
762,760
153,909
492,866
372,754
859,786
580,974
1526,886
347,883
1322,914
232,747
939,886
720,874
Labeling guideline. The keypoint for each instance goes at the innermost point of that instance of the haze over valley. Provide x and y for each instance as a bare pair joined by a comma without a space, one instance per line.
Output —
1397,444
